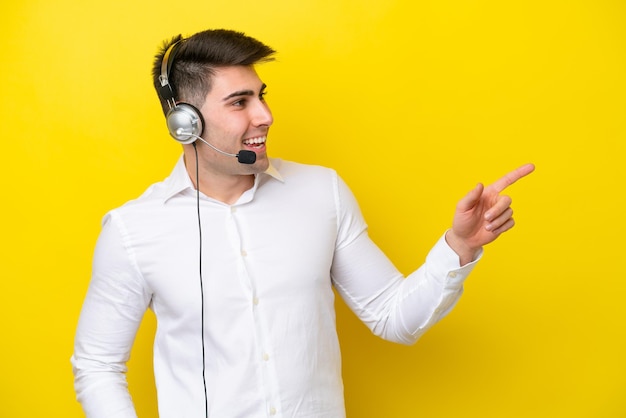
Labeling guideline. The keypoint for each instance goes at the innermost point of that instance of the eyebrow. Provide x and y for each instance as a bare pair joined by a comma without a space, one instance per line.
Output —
243,93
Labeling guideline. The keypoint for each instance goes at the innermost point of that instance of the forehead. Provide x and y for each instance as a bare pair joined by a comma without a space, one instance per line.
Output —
228,80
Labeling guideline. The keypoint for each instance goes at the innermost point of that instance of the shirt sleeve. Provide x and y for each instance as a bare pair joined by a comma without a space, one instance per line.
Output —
116,301
394,307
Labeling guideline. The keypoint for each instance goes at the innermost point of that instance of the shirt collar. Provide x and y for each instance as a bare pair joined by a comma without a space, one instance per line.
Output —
178,181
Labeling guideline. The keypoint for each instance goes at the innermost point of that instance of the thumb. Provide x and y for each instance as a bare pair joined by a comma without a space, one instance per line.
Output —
471,199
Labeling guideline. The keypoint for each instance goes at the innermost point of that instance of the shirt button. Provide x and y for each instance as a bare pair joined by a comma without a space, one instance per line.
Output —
272,411
233,209
255,301
452,274
244,253
266,357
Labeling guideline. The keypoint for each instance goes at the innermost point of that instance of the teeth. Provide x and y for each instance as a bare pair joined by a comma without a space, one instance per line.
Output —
251,141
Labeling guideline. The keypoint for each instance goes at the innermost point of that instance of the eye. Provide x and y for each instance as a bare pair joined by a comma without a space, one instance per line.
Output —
262,95
239,103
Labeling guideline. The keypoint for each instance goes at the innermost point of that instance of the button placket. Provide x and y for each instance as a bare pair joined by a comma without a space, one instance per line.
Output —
270,381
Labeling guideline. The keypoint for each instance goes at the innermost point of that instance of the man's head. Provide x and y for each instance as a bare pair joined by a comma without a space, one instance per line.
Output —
196,59
214,72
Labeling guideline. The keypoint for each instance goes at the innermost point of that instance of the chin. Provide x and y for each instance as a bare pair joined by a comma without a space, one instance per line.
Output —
261,165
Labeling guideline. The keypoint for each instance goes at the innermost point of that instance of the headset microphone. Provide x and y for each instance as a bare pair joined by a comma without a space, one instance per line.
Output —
243,156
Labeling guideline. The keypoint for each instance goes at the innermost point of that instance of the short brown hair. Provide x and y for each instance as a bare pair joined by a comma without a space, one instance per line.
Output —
195,59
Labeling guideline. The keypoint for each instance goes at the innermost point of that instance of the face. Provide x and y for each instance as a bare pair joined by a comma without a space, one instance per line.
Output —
236,118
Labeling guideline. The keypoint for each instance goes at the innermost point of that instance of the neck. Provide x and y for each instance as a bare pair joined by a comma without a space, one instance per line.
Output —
226,188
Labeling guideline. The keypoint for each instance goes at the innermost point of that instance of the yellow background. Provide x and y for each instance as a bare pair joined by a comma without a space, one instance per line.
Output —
413,102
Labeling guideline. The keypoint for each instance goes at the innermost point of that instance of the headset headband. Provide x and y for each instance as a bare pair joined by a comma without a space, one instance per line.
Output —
167,92
184,122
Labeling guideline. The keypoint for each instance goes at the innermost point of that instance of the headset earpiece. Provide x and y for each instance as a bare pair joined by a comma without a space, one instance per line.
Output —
184,121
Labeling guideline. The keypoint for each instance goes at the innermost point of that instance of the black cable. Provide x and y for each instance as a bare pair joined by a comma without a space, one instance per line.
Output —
206,400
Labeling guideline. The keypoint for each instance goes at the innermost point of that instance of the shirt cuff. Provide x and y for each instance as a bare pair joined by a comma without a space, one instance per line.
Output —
445,263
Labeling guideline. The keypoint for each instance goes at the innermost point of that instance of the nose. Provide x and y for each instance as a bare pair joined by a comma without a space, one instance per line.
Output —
262,114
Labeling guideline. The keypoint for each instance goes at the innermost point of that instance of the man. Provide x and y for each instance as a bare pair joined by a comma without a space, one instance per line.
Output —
237,255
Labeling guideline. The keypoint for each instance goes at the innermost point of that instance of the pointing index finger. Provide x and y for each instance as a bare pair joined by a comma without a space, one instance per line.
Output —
512,177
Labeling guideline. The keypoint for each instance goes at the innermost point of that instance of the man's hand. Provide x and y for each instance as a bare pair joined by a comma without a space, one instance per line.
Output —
482,215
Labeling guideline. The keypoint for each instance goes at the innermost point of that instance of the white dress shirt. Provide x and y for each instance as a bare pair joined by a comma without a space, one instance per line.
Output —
268,265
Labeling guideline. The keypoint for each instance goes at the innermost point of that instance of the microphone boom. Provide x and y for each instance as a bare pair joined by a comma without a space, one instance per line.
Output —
243,156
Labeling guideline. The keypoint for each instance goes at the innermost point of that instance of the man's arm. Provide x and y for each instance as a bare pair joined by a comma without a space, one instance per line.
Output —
400,309
112,311
396,308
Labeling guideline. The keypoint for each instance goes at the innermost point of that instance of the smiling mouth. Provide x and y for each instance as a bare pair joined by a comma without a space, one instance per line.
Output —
257,142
